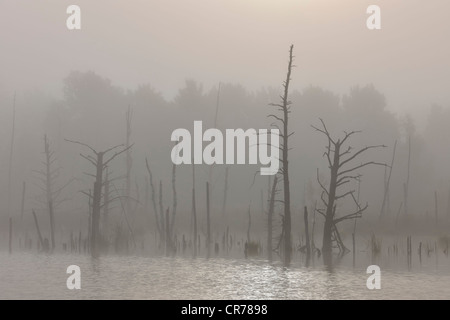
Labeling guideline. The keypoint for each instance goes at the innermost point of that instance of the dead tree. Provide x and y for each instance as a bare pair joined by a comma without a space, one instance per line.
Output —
41,240
22,204
285,108
249,225
385,205
270,219
225,191
168,244
48,177
153,197
208,223
194,212
50,174
129,160
308,245
215,126
161,213
174,194
406,184
340,159
110,194
100,162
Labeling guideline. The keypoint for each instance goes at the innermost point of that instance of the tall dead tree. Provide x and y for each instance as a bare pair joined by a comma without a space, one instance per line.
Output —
100,161
48,177
340,162
285,108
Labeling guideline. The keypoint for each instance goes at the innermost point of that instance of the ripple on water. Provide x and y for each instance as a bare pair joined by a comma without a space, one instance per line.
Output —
30,276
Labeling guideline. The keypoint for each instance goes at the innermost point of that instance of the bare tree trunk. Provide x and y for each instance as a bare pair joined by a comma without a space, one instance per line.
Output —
147,196
215,126
225,192
194,212
313,228
287,192
96,205
48,172
155,210
10,234
436,207
406,185
262,202
129,160
249,225
174,191
208,223
22,205
386,185
284,107
329,215
339,176
89,235
358,207
161,213
41,240
270,219
79,242
167,236
308,245
106,200
100,165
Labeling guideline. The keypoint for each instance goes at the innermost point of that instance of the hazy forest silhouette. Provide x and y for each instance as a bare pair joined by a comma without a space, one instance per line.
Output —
145,204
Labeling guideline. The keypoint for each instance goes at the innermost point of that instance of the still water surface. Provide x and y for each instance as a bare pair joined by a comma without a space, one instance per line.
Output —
32,276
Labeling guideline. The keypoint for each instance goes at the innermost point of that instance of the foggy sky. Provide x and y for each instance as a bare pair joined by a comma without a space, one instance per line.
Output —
245,41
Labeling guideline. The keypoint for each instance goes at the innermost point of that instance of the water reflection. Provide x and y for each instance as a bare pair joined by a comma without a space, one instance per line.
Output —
32,276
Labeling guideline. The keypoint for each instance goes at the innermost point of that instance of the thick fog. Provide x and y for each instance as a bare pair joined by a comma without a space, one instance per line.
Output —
165,59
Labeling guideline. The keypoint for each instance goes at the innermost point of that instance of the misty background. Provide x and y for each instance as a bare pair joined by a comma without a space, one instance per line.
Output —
166,59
